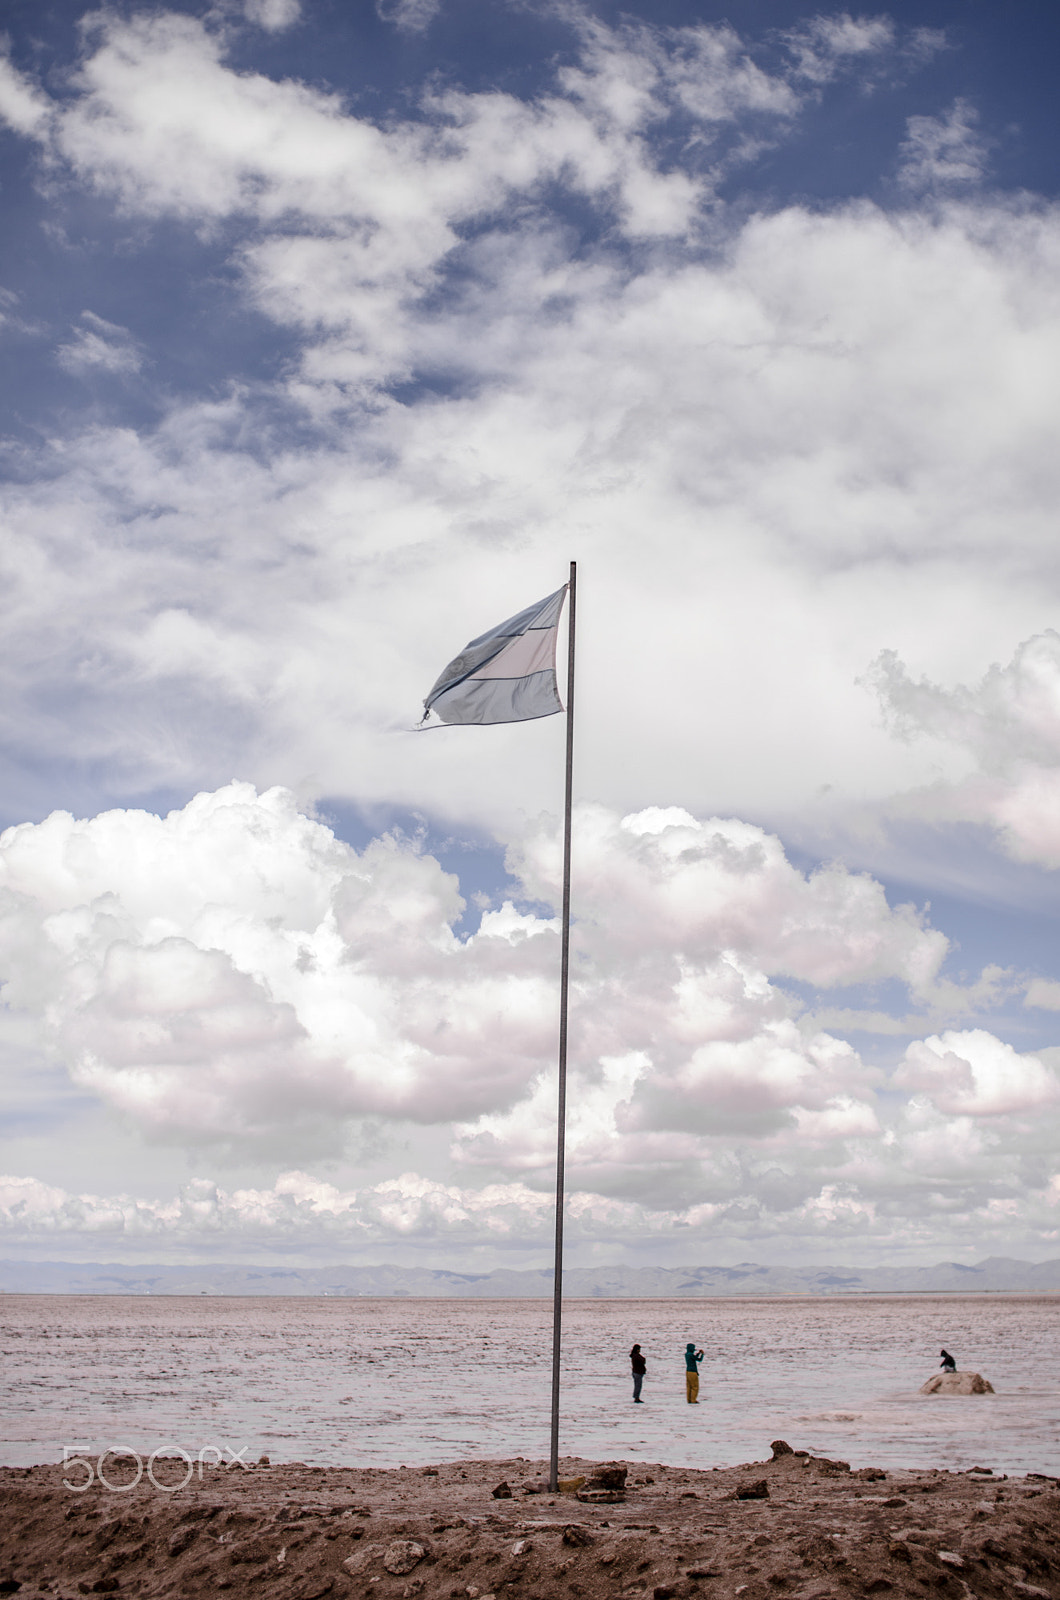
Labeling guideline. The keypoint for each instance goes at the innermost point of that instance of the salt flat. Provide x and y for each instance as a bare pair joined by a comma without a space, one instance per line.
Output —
386,1382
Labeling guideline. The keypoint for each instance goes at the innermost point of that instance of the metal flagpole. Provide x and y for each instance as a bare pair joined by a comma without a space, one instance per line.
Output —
561,1114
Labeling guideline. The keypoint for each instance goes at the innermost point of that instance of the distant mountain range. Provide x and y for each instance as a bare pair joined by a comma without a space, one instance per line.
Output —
995,1275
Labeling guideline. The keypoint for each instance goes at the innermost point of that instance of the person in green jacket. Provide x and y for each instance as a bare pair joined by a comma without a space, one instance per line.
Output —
692,1359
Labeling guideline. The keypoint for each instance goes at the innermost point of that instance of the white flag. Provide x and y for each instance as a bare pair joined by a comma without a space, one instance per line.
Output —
505,675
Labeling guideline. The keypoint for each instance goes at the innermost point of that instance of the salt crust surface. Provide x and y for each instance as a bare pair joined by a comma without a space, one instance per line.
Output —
385,1382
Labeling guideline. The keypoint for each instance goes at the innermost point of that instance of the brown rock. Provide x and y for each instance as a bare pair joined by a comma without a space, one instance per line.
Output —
957,1383
251,1550
401,1556
574,1535
612,1475
898,1550
501,1492
758,1490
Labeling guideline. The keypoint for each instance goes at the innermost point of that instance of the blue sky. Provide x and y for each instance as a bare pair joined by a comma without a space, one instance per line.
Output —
332,332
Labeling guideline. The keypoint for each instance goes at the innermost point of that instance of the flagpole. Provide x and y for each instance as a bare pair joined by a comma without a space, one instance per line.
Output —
561,1112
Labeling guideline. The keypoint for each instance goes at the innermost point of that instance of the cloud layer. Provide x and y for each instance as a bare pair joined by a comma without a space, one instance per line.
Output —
779,440
505,327
233,975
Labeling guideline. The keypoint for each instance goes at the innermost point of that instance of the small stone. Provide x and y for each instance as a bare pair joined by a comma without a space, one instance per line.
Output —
612,1475
574,1535
501,1492
522,1547
895,1501
360,1559
401,1556
781,1447
429,1472
950,1558
315,1589
758,1490
1032,1591
250,1550
664,1591
263,1461
602,1497
898,1550
570,1485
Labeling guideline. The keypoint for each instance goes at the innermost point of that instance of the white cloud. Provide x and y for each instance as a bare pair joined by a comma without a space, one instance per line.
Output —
273,15
974,1074
940,153
797,413
234,973
101,346
412,16
779,442
822,46
1044,993
22,105
1009,726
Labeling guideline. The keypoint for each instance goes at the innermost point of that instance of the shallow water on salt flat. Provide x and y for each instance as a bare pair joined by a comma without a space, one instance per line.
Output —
390,1381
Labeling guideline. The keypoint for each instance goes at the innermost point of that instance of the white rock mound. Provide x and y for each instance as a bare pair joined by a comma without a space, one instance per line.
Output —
957,1383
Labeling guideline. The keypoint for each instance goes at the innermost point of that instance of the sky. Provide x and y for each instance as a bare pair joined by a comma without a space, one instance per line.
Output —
332,332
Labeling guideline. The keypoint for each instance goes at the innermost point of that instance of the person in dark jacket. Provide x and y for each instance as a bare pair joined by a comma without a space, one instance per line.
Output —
640,1367
692,1359
947,1363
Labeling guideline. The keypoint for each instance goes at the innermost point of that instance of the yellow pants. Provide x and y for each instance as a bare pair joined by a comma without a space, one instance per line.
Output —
692,1387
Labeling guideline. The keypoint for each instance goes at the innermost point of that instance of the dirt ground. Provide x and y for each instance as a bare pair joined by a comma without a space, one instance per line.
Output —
813,1530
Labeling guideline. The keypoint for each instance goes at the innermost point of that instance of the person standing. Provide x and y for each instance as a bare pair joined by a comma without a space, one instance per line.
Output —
640,1367
692,1359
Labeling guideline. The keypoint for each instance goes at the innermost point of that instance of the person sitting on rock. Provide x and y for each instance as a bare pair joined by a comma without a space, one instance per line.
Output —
947,1363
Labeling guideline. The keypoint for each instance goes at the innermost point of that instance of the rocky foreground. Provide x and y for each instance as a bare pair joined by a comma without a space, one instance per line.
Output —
794,1526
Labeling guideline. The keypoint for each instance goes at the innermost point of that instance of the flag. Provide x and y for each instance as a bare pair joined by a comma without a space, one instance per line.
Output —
505,675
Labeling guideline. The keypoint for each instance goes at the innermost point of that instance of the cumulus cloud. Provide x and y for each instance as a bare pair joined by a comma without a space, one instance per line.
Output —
941,153
974,1074
233,972
1008,725
100,346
